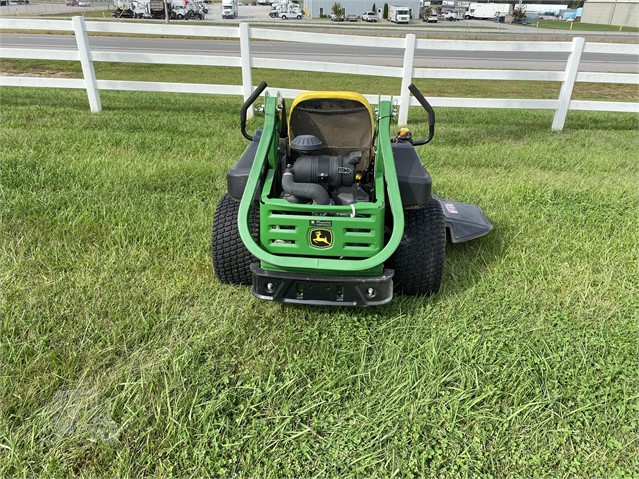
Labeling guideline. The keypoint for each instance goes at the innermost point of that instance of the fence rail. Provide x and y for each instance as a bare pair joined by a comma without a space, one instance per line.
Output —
245,33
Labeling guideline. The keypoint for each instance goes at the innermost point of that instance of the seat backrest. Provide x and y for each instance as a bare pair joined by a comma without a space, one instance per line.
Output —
343,121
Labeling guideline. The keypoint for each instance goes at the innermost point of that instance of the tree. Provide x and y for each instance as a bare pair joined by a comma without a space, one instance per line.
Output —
385,14
337,10
519,14
374,8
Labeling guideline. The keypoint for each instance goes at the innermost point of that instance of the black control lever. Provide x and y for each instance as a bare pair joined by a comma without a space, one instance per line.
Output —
431,114
249,101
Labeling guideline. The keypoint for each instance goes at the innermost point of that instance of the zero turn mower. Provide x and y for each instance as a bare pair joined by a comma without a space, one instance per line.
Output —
325,207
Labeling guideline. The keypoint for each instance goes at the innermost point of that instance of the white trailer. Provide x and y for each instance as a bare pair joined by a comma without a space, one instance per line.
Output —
398,14
293,8
484,11
229,8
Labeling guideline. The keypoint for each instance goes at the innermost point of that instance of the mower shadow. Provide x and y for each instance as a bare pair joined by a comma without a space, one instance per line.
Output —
465,265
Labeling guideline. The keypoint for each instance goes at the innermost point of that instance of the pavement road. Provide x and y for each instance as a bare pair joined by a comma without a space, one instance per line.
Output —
332,53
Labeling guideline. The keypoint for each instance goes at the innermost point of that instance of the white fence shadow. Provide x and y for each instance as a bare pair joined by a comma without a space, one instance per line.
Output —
245,33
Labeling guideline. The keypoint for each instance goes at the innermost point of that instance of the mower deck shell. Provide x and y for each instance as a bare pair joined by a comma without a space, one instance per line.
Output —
464,222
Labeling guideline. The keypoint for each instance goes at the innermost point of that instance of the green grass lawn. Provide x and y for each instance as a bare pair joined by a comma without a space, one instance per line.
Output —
578,26
123,356
317,81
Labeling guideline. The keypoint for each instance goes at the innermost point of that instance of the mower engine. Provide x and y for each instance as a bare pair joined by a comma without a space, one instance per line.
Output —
322,179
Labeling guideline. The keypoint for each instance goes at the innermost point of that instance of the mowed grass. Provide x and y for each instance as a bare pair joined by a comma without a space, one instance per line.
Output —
124,356
592,27
318,81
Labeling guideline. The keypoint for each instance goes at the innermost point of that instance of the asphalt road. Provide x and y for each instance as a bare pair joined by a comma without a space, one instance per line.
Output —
332,53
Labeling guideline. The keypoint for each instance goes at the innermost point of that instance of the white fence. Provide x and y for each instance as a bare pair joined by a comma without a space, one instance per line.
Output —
245,33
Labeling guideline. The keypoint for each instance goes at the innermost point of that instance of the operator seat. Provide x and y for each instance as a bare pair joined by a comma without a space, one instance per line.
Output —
343,121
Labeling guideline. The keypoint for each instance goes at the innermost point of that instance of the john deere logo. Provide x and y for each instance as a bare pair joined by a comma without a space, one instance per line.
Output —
321,238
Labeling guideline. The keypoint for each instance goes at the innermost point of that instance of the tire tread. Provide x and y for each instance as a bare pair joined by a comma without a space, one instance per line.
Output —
231,259
419,260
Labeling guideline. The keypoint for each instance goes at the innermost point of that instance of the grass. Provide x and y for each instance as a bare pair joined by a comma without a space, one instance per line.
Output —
316,81
578,26
123,356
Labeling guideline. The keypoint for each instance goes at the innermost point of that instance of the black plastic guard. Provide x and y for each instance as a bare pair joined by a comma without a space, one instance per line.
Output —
322,290
237,176
465,222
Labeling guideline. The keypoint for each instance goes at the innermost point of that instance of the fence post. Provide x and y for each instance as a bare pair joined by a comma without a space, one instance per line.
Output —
407,77
245,53
90,82
572,68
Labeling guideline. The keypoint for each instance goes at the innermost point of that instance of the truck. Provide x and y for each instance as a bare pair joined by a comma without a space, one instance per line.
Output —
140,8
229,8
156,9
398,14
487,11
123,9
293,8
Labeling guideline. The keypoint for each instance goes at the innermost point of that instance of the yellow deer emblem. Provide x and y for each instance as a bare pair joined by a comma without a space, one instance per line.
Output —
321,238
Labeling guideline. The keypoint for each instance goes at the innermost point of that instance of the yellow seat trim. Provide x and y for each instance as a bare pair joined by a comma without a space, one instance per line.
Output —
338,95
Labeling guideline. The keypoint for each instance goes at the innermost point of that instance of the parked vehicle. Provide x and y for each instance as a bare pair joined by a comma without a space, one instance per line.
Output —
430,17
156,9
123,8
277,7
81,3
398,14
369,17
69,3
451,16
288,14
487,11
337,18
229,8
351,17
178,10
195,9
140,8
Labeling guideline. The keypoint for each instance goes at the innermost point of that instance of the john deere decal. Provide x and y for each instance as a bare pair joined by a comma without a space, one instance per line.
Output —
320,238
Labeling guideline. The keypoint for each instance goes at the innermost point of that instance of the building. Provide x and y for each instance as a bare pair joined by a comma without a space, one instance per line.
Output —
322,8
611,12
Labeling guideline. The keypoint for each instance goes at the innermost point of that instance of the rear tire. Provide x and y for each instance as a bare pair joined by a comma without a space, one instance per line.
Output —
419,260
231,259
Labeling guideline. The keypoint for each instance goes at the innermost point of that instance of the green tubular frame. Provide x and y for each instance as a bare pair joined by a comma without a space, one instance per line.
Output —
276,214
384,174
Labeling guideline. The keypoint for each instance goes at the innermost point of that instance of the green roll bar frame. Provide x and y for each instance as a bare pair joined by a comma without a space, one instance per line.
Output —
267,151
